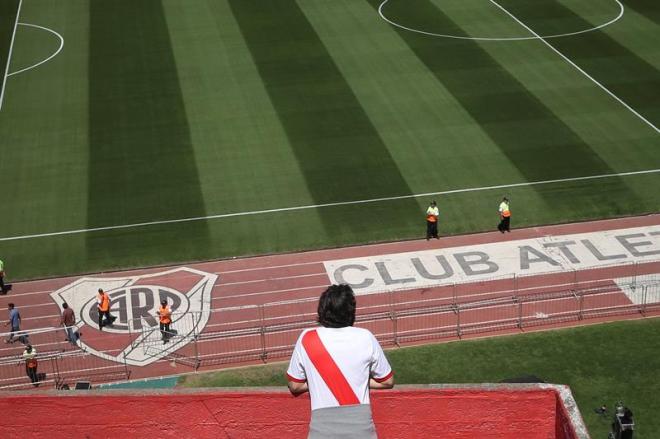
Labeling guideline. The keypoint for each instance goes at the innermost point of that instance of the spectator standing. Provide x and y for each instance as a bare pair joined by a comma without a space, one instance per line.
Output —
338,364
30,357
432,214
103,305
68,320
165,317
14,322
505,216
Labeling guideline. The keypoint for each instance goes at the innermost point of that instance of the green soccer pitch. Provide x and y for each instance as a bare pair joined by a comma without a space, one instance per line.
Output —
272,126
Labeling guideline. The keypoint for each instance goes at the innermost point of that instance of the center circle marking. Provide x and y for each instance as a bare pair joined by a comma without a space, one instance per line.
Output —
458,37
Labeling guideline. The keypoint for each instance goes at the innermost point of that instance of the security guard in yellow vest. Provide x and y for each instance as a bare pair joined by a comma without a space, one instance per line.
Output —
505,216
432,214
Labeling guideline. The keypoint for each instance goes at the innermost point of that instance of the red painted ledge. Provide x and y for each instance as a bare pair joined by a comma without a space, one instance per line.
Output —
508,411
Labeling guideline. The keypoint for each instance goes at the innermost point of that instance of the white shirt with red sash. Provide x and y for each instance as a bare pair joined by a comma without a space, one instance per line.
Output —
337,364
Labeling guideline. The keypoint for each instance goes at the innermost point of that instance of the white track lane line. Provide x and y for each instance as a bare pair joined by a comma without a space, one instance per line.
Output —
340,203
506,11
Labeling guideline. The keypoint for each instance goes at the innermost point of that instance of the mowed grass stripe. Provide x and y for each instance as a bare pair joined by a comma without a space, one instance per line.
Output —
617,68
648,8
340,152
538,143
141,161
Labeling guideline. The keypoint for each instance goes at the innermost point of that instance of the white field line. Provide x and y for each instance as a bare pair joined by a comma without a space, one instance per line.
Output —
506,11
339,203
59,49
11,48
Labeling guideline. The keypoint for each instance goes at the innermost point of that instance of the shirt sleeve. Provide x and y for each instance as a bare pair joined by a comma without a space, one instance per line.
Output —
296,370
380,367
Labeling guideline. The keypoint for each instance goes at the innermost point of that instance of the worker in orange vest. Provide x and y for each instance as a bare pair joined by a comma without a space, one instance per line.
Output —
505,216
432,214
103,304
165,317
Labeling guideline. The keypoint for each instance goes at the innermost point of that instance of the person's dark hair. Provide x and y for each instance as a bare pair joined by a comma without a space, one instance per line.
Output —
65,305
337,307
10,305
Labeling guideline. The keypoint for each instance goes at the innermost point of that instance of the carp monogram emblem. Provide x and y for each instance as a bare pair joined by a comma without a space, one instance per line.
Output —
134,301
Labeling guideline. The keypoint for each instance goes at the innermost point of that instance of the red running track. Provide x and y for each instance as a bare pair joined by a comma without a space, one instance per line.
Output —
244,284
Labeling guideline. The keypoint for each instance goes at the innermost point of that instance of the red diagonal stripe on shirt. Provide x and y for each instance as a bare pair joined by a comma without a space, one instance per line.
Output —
328,370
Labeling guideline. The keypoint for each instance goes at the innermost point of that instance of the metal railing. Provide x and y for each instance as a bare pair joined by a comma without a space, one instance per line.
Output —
269,331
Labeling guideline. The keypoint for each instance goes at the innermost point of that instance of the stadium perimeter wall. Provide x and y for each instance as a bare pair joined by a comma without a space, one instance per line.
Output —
470,411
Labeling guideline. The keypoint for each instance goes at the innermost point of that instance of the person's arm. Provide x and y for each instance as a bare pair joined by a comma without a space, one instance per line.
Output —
295,374
385,384
382,375
297,388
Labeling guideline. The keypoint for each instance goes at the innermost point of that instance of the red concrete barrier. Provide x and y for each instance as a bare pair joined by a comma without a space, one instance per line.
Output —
499,411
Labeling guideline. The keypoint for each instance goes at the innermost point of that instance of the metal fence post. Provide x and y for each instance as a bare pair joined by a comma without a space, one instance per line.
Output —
393,318
515,284
520,310
642,308
56,371
580,298
198,360
262,331
457,310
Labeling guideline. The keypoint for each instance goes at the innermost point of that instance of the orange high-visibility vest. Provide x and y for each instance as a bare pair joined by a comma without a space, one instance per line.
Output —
506,213
31,363
105,302
431,218
165,315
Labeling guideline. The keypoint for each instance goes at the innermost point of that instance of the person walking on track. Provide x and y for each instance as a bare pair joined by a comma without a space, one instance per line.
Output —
505,216
103,304
14,322
68,320
337,364
30,357
165,317
432,214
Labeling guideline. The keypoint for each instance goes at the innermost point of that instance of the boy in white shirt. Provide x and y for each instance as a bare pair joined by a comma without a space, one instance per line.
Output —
338,364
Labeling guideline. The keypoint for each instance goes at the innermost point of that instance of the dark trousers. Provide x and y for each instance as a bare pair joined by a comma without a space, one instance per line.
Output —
109,319
32,374
431,230
14,331
3,288
165,332
505,224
